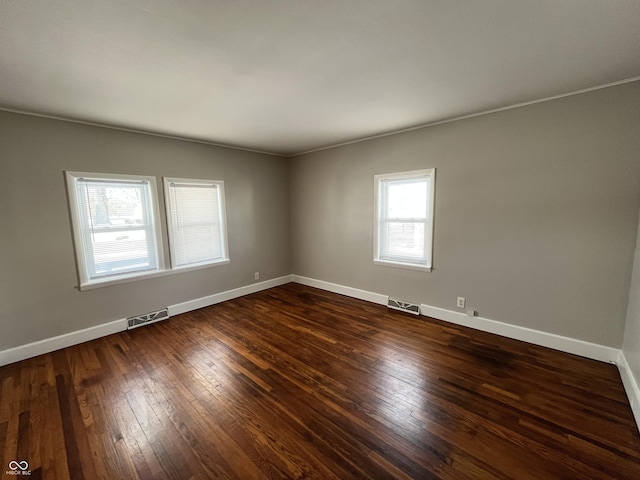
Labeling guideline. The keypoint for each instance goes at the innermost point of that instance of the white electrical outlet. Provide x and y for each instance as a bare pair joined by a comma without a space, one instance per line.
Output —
256,276
461,302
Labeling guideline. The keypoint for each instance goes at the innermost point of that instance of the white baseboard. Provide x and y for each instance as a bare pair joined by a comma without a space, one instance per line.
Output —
550,340
47,345
630,386
228,295
537,337
342,290
61,341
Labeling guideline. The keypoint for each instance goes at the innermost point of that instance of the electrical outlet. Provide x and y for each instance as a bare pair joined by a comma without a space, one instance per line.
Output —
461,302
256,276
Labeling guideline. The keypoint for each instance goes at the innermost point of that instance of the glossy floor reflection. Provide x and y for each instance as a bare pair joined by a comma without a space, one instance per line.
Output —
295,382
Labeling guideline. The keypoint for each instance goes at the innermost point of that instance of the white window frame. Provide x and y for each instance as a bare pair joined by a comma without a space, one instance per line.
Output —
382,258
222,215
81,231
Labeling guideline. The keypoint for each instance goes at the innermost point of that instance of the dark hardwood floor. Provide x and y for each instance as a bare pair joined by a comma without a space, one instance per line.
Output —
295,382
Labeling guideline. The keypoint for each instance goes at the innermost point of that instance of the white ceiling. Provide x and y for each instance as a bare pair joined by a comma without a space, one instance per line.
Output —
289,76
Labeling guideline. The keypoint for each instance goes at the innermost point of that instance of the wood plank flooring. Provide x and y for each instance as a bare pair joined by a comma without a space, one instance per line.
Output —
295,382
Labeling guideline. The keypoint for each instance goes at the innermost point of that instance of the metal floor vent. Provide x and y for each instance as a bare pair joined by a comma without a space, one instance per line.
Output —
403,306
139,320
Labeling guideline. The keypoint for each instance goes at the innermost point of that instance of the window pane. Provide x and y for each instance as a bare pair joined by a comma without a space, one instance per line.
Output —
111,205
407,199
117,229
404,220
404,240
120,251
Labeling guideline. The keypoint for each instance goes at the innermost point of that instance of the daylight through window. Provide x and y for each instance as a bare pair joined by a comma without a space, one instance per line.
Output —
115,225
404,218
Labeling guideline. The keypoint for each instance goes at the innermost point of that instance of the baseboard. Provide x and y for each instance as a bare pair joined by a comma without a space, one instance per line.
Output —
61,341
228,295
630,386
47,345
537,337
550,340
342,290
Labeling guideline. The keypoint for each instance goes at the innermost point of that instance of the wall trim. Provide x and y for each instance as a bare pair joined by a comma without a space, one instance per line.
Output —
536,337
227,295
469,115
630,386
185,138
48,345
139,131
593,351
529,335
550,340
342,289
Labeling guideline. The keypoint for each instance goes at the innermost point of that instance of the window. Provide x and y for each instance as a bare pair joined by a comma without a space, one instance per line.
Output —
115,226
197,222
404,219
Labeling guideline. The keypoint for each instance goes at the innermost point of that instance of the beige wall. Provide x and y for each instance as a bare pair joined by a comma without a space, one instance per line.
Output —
631,346
535,218
38,295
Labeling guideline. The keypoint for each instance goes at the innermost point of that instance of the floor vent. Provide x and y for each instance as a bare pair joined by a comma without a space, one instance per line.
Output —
403,306
139,320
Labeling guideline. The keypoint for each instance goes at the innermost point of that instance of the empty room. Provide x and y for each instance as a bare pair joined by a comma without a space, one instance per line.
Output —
295,239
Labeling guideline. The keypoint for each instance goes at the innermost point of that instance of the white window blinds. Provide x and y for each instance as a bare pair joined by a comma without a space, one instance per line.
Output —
196,219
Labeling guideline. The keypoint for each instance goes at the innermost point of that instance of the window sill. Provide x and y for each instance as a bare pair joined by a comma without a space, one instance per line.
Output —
145,276
409,266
